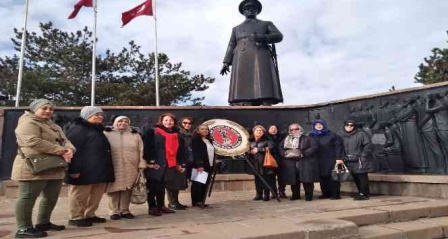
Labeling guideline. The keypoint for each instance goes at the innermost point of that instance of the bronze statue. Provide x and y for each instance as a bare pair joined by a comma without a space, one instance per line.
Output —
251,52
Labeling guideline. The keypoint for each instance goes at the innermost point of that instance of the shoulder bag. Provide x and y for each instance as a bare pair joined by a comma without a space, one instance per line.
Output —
269,160
39,163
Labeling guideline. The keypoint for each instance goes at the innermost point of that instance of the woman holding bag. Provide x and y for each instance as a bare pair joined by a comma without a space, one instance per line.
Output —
127,157
258,144
329,152
37,134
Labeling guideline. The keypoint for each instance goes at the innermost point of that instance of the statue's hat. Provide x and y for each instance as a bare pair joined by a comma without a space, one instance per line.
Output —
255,2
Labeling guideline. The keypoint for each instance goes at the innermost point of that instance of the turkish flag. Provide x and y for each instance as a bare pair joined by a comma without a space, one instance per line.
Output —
142,9
79,5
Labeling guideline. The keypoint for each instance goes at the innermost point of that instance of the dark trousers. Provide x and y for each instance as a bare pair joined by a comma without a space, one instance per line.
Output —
329,187
280,182
308,187
362,182
198,191
28,193
259,185
156,193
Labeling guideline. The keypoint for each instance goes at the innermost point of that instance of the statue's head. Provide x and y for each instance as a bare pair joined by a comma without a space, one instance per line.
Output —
250,8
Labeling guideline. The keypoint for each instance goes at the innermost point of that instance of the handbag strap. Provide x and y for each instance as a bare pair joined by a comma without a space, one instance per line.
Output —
343,168
139,176
21,152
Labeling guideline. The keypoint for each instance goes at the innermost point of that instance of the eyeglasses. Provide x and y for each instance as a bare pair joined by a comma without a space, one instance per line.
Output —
350,125
294,129
186,123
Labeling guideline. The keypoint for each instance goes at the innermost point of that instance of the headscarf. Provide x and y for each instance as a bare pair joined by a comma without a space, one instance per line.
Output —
115,125
292,140
323,131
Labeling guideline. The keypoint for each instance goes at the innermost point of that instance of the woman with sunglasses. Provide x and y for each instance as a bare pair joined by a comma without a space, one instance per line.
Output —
357,152
299,162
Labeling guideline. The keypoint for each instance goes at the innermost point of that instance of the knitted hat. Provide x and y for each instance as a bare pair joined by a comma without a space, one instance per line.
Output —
89,111
37,103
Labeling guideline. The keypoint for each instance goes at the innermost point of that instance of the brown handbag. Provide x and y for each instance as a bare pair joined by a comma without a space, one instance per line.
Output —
269,160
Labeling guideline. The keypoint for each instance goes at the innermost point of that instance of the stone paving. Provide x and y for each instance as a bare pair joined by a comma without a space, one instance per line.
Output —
231,214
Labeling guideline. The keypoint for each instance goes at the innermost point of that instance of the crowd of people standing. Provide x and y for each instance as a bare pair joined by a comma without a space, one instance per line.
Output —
109,160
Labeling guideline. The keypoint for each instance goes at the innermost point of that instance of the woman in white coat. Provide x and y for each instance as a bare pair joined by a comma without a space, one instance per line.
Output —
127,156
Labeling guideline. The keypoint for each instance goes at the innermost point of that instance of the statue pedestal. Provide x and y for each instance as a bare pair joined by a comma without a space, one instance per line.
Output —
434,186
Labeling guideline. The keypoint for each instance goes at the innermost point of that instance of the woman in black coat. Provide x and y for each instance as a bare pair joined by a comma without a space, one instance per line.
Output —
329,151
203,161
357,156
258,144
276,137
299,162
91,167
164,149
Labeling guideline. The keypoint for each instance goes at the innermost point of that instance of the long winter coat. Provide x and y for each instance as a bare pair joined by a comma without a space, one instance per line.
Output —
200,155
305,169
330,148
154,152
253,76
92,159
36,136
186,137
127,157
258,158
358,149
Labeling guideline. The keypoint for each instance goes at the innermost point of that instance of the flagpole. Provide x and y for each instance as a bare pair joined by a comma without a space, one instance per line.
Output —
22,55
92,97
156,60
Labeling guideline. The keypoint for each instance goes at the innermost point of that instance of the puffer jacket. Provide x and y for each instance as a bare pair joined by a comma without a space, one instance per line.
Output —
36,136
92,159
127,157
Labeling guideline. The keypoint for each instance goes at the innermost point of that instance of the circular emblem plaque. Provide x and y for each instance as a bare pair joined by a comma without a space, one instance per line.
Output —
229,138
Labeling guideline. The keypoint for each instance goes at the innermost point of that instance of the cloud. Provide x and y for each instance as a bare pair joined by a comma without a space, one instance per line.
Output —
331,49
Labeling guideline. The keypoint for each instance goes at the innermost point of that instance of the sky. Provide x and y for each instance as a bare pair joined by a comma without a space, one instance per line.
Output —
331,50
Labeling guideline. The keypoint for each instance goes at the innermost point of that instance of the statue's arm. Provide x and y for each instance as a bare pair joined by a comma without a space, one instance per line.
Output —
230,48
229,54
273,35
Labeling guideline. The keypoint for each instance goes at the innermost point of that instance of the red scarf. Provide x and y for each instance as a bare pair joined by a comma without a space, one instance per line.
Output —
171,146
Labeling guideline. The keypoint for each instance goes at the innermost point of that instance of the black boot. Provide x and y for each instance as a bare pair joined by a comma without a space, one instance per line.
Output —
258,196
30,233
282,195
266,194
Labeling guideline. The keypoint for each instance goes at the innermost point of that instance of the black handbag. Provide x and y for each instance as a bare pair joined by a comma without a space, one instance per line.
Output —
341,174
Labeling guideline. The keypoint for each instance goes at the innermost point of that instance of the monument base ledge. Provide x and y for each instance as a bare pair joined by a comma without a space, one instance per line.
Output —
434,186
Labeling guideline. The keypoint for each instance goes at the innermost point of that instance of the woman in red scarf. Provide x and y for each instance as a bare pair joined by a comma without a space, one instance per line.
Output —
164,149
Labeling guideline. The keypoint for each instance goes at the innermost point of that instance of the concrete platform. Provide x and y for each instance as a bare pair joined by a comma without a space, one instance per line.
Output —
233,214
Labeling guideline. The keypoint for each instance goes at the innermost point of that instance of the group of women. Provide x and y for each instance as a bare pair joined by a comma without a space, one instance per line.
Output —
306,159
105,160
109,160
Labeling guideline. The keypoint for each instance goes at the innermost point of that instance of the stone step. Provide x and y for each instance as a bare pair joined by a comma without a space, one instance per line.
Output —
426,228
